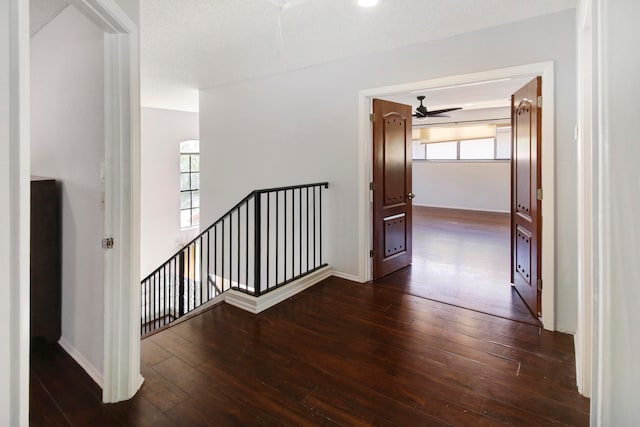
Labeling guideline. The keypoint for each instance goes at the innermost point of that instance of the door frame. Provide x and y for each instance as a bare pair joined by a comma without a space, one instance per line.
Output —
121,364
587,215
14,212
122,338
365,171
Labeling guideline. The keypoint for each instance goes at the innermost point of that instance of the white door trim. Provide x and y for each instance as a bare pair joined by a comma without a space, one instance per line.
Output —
543,69
586,202
121,364
14,212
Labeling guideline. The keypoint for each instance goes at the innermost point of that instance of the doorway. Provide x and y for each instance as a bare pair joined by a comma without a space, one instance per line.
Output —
106,345
517,308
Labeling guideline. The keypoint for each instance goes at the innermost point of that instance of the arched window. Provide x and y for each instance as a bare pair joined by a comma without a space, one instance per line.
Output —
189,184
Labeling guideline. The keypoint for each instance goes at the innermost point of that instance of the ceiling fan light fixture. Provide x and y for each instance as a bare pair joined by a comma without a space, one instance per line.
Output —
367,3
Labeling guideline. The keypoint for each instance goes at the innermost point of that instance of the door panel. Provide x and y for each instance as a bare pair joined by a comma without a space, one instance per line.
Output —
392,187
395,234
526,218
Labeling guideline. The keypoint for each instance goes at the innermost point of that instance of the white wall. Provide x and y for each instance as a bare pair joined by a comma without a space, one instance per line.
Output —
161,134
14,213
67,121
615,401
302,126
131,8
480,186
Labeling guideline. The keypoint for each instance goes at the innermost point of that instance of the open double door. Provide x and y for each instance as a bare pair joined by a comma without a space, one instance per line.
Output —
392,190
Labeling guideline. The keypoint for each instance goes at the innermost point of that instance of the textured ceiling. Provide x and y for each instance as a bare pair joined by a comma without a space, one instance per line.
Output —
41,12
187,45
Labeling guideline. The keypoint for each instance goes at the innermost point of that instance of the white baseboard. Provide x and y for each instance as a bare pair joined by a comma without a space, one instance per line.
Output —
207,305
462,208
346,276
93,372
257,305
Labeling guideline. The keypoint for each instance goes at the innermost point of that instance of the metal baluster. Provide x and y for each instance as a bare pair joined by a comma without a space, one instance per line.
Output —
167,293
176,285
222,256
320,225
164,295
189,279
215,257
277,232
314,228
238,210
294,246
257,226
143,298
268,226
142,316
307,211
300,226
181,286
152,302
230,249
191,272
208,265
200,272
285,237
162,271
246,246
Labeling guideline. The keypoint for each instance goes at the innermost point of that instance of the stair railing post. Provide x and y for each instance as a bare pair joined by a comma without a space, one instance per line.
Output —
181,287
257,221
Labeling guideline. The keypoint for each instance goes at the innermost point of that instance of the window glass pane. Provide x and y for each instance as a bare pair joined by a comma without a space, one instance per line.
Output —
185,200
503,143
195,163
195,181
190,146
418,151
473,149
189,183
185,218
184,163
442,150
195,216
185,182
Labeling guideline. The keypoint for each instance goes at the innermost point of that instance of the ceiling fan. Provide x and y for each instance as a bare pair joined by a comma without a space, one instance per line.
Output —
422,112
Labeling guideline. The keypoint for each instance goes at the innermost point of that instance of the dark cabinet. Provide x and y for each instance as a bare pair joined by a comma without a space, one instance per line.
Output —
45,259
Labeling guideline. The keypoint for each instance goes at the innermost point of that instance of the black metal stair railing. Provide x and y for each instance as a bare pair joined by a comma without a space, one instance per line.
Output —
270,238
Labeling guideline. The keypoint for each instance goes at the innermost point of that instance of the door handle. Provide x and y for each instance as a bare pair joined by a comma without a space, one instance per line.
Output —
411,196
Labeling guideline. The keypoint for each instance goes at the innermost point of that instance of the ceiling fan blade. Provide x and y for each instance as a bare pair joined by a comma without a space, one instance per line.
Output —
419,115
444,110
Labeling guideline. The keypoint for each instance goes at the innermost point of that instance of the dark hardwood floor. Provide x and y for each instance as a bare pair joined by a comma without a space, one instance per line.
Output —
462,258
339,353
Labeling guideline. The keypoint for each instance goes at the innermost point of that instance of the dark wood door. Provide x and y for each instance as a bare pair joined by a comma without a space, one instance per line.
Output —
526,194
392,187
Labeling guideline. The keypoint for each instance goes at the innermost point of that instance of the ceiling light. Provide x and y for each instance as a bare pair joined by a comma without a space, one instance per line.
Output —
367,3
